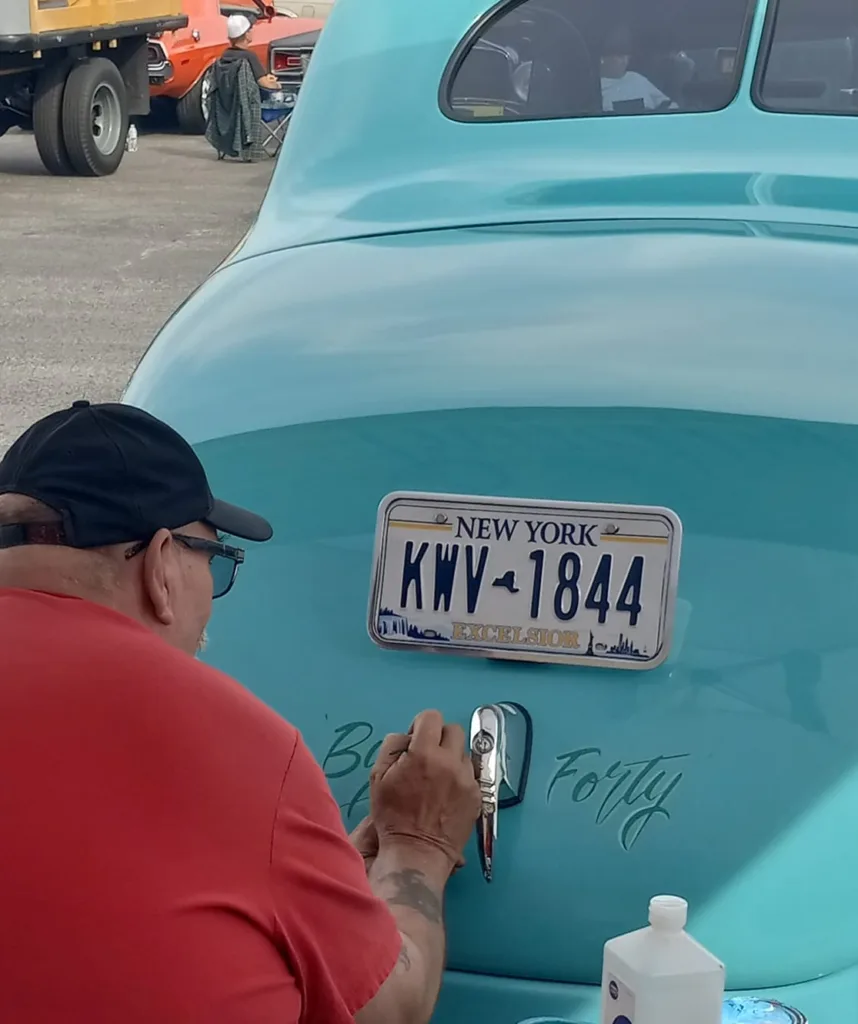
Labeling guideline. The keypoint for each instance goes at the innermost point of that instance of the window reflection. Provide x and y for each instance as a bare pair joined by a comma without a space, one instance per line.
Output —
587,58
810,66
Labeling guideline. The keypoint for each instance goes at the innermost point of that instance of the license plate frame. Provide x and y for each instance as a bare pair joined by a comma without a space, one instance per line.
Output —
440,627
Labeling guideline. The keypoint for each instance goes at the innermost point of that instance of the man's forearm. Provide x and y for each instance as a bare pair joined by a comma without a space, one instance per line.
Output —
411,878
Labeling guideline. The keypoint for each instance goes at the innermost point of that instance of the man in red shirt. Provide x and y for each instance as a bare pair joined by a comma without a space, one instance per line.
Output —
171,851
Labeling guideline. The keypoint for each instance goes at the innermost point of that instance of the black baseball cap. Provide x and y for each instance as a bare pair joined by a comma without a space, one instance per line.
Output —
117,474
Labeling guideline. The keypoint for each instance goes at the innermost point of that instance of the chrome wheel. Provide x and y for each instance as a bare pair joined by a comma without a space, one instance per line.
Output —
205,94
106,118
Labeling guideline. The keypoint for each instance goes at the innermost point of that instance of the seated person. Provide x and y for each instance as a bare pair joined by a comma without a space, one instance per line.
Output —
240,34
234,120
619,85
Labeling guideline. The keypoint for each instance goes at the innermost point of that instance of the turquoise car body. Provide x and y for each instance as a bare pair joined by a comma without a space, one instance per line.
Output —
651,310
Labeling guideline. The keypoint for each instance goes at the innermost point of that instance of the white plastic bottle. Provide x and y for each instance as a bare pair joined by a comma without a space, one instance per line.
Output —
131,139
659,974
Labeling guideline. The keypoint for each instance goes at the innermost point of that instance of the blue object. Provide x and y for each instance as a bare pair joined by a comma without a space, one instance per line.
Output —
646,308
740,1010
277,111
737,1010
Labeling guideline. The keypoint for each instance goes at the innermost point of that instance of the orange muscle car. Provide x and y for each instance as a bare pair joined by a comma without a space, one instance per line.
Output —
180,62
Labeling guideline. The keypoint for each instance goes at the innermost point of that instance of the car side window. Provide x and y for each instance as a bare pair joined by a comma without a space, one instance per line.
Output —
541,59
810,61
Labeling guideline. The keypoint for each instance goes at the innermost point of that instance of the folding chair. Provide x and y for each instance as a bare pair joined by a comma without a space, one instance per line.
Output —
276,111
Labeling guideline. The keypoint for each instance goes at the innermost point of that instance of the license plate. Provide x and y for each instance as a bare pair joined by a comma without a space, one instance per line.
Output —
528,580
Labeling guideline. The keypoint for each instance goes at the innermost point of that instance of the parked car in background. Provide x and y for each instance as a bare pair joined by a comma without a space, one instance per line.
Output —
180,62
303,9
531,313
289,59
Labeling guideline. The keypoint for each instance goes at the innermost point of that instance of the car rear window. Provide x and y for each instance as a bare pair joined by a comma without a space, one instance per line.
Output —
597,58
808,62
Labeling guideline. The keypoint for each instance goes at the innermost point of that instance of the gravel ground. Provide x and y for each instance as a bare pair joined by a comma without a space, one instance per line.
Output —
91,268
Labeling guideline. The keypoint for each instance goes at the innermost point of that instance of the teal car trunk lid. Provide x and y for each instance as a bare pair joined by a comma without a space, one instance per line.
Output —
705,366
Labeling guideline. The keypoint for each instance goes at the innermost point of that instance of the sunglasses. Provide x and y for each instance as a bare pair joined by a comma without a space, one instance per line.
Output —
224,560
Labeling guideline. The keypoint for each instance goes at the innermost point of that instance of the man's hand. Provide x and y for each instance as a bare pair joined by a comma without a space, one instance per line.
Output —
424,800
422,788
365,840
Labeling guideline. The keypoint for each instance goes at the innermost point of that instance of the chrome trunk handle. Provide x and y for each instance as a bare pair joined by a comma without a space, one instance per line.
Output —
501,736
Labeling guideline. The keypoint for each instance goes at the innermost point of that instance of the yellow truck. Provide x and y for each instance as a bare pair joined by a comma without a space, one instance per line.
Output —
75,71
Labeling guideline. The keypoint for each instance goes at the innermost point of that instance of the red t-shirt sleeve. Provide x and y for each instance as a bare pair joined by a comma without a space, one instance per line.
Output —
341,940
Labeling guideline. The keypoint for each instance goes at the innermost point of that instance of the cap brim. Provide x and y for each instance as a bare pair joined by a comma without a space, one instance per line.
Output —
238,522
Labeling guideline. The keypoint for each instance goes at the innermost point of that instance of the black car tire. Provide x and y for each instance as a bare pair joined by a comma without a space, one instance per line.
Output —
190,111
48,118
95,117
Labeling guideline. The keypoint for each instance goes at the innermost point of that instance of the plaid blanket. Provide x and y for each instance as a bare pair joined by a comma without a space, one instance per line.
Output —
234,125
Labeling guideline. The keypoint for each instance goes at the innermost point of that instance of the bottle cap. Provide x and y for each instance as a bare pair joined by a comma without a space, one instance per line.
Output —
668,913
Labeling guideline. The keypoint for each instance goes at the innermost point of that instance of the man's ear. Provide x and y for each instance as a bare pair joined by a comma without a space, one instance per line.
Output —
160,576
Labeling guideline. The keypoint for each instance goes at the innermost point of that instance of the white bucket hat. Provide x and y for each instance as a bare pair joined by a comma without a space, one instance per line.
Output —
237,25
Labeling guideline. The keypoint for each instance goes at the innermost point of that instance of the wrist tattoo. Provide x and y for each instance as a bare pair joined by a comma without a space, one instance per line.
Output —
411,890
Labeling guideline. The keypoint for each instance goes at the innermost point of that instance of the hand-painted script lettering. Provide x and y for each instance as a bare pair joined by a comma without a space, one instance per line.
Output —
353,750
632,793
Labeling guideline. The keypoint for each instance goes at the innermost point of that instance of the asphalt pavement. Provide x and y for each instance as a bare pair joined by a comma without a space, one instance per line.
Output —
91,268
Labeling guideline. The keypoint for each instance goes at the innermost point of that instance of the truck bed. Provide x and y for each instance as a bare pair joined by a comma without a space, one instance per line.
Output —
26,27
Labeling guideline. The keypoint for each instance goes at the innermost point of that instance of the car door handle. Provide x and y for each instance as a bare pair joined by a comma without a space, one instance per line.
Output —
501,740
